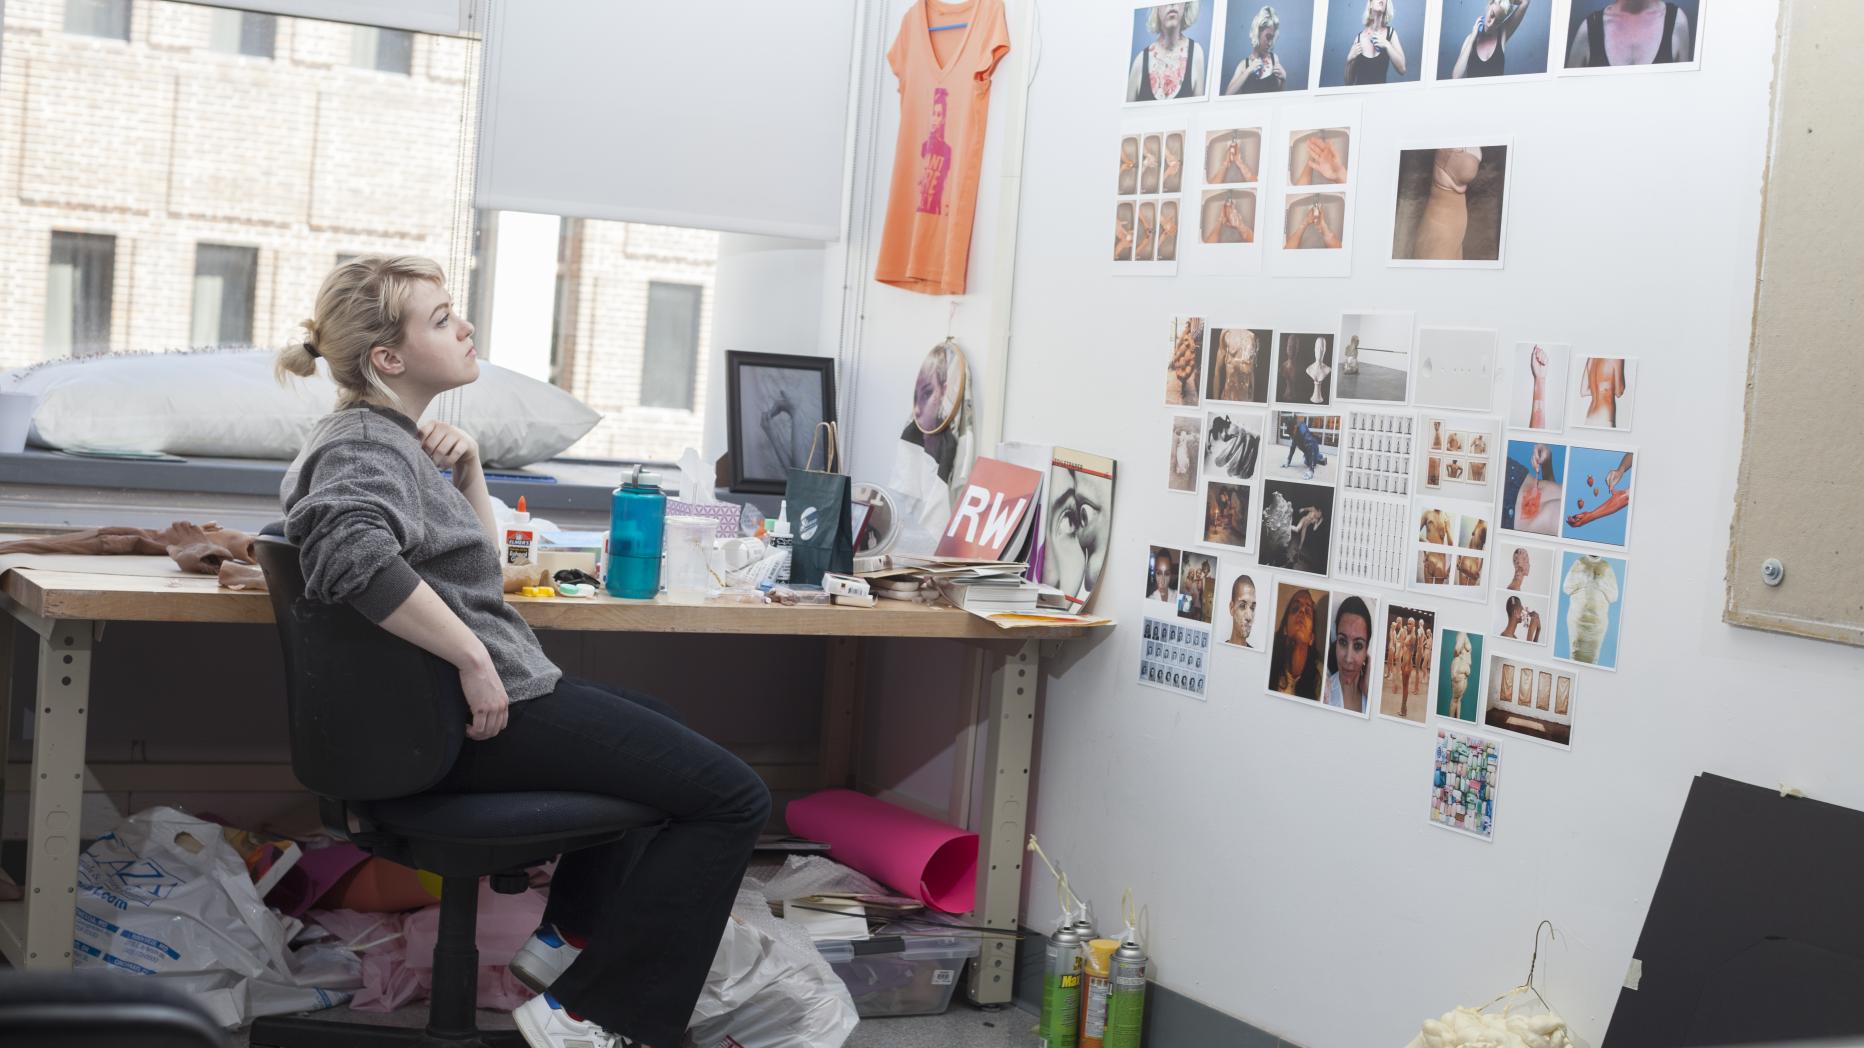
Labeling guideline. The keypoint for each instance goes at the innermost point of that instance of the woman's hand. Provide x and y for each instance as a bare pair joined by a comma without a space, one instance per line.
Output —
450,448
1323,160
486,698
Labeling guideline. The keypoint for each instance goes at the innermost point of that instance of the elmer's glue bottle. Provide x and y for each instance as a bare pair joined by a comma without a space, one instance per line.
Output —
518,537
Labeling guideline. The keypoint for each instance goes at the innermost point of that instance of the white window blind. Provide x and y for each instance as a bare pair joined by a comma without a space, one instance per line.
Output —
444,17
712,114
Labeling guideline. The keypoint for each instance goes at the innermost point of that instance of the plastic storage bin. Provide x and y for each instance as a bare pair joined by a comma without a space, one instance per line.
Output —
906,973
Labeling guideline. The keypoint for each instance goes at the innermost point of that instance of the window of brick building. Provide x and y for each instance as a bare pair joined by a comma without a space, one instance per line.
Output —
245,33
106,18
225,277
79,280
383,50
671,357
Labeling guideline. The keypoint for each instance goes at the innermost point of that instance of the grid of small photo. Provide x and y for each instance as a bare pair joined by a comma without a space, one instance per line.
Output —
1180,596
1149,194
1371,543
1567,482
1313,220
1463,783
1174,657
1229,200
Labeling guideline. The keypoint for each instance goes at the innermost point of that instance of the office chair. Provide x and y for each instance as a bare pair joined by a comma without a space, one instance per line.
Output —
101,1010
375,722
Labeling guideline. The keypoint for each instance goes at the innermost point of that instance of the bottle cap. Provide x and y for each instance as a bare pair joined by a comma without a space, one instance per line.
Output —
640,477
782,528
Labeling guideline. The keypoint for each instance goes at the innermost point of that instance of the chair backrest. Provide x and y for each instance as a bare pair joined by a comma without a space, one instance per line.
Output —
371,715
92,1009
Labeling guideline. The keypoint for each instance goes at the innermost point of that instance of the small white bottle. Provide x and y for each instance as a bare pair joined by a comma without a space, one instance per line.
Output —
781,541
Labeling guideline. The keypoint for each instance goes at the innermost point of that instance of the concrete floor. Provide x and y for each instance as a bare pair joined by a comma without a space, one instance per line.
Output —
962,1026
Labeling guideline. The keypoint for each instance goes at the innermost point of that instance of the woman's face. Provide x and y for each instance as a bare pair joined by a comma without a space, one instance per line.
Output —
1351,641
929,396
1377,10
1171,17
1495,13
1268,34
437,352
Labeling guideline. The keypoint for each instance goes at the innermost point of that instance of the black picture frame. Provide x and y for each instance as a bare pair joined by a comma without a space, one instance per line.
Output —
758,467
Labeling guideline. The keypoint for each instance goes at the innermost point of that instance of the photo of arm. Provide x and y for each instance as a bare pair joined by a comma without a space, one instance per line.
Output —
1485,49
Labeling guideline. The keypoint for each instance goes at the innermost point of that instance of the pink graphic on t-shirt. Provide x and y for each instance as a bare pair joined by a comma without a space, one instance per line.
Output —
936,154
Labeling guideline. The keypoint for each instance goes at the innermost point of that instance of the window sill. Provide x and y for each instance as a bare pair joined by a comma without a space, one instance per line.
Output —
564,486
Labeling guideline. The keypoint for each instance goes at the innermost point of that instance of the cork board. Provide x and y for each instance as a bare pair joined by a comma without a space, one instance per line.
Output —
1799,497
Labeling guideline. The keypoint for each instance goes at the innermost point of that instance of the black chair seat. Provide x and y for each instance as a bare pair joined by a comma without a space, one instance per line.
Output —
530,817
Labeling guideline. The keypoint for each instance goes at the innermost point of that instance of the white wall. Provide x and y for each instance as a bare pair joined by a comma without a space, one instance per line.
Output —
1291,875
766,298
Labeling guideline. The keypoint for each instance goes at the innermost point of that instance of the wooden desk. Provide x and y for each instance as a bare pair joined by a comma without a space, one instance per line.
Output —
68,610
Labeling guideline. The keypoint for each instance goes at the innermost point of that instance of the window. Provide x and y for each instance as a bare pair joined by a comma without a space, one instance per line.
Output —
383,50
78,284
672,353
227,202
106,18
224,279
245,33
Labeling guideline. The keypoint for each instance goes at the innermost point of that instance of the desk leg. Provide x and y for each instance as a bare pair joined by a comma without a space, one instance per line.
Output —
57,793
1006,807
7,631
841,704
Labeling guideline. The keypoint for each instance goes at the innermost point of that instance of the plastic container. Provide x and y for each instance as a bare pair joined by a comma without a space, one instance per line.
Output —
907,973
689,545
636,536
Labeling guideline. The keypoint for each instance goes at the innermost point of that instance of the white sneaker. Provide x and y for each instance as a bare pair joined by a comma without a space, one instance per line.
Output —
543,958
545,1024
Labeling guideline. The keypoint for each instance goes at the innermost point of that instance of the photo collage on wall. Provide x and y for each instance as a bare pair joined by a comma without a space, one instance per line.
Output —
1333,513
1147,210
1181,587
1418,520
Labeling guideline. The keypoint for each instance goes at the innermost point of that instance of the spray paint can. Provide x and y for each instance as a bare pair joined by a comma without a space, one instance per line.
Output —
1096,988
1061,991
1126,1000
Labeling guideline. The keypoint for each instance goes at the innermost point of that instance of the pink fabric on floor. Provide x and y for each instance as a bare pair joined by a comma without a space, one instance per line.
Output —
400,970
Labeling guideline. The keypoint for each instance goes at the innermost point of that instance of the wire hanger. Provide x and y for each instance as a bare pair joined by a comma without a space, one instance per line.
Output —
951,319
1533,962
942,28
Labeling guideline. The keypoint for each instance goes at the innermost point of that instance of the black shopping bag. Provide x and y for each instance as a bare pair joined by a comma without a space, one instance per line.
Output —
819,517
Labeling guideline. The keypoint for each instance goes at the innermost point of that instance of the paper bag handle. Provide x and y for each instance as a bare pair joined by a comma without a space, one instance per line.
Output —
828,466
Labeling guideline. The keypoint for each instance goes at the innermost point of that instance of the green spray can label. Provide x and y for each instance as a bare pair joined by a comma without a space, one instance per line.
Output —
1126,998
1059,1026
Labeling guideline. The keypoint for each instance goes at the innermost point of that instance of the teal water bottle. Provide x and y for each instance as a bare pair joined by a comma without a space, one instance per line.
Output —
636,530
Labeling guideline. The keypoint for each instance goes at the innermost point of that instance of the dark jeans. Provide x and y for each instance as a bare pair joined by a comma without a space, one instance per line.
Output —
654,904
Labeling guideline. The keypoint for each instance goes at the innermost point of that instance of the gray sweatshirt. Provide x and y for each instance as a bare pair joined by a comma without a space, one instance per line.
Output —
373,518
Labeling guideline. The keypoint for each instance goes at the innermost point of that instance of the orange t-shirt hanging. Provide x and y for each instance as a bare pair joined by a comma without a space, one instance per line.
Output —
944,102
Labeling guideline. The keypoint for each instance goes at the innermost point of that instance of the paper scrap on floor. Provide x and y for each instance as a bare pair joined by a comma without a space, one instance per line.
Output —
848,919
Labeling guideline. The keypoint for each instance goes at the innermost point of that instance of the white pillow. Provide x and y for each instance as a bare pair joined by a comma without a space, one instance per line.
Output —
225,403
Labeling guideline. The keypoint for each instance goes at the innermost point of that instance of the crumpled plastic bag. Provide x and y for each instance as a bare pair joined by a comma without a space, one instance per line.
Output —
769,987
397,950
1470,1028
164,895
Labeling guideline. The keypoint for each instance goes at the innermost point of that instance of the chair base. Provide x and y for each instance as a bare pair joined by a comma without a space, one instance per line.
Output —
303,1031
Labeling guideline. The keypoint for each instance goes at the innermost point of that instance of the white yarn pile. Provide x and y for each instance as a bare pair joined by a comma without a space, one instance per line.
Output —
1469,1028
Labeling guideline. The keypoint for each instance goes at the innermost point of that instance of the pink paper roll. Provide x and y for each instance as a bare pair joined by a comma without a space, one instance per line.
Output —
914,855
